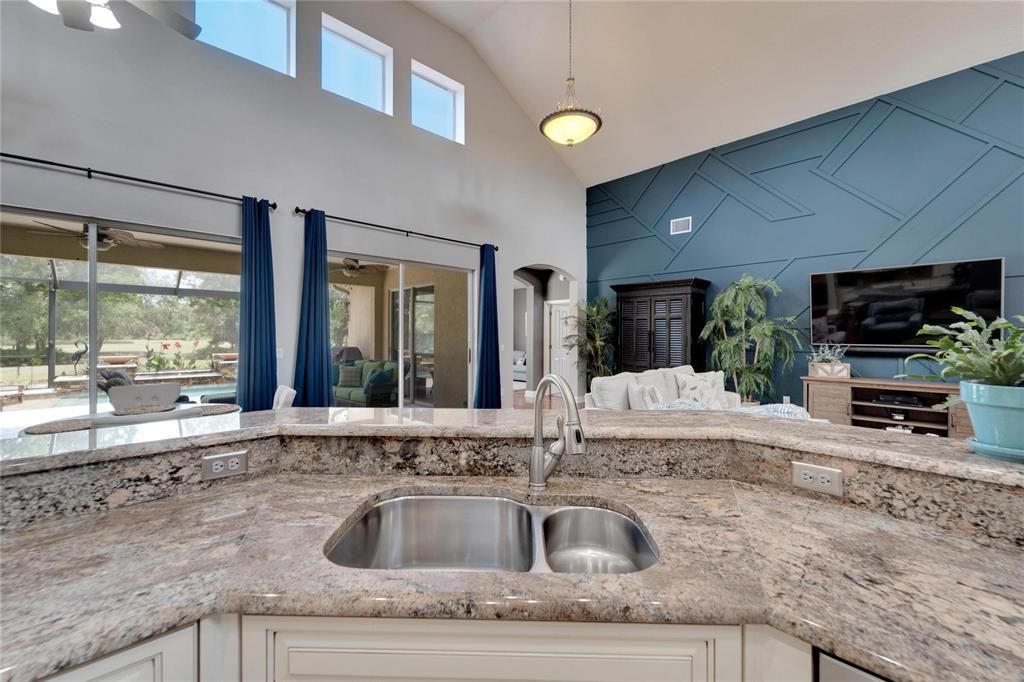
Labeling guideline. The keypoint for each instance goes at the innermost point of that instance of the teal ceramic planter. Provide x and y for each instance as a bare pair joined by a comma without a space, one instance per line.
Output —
997,413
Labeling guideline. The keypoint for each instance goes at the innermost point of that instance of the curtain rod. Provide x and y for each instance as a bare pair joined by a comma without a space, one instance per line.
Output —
90,172
399,230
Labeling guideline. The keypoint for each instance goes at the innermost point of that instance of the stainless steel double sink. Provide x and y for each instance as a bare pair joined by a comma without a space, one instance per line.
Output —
463,533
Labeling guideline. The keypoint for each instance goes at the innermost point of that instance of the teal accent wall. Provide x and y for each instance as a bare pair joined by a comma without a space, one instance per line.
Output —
931,173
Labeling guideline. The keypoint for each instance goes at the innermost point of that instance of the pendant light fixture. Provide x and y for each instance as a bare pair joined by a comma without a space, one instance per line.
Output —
570,123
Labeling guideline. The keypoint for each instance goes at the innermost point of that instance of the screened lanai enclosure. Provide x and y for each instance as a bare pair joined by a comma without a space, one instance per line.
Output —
167,309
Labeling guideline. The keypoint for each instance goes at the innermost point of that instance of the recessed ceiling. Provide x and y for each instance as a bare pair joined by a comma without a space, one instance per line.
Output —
675,78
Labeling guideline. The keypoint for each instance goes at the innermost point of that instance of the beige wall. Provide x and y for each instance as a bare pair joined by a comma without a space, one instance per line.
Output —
374,336
451,335
362,318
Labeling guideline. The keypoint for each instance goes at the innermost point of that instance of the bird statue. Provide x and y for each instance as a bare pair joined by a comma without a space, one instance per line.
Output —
77,356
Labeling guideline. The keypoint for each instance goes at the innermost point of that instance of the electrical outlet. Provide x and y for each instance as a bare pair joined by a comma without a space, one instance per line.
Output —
818,478
225,464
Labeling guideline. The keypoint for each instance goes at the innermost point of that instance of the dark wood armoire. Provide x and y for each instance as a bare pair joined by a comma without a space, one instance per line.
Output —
659,324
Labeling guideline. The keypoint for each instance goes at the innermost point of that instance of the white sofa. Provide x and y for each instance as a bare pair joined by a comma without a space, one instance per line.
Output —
520,370
613,393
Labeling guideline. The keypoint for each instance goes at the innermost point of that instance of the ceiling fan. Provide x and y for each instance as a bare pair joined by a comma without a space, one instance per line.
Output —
351,267
84,15
106,237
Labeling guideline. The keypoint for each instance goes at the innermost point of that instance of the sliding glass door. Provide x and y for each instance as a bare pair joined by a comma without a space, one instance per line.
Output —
84,312
423,332
417,313
44,322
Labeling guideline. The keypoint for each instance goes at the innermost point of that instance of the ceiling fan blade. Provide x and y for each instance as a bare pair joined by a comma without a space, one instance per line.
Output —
66,230
159,10
75,14
51,233
125,238
138,243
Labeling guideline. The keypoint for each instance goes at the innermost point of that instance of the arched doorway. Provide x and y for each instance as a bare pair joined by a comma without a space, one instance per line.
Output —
545,300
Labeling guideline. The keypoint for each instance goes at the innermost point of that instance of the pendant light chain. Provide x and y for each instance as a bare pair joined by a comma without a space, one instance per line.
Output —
570,38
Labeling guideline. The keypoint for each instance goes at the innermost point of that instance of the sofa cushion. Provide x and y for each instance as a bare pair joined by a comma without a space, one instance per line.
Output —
661,379
610,393
643,397
350,376
343,392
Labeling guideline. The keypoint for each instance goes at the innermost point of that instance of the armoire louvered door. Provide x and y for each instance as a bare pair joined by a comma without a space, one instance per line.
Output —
658,325
635,334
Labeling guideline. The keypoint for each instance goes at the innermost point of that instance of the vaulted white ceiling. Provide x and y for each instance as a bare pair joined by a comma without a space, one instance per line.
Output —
675,78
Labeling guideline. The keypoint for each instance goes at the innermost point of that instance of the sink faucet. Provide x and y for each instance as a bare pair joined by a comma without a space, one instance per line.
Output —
543,462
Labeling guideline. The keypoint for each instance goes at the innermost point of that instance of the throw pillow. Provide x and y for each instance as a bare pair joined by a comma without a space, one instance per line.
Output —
350,376
643,397
661,379
705,388
381,376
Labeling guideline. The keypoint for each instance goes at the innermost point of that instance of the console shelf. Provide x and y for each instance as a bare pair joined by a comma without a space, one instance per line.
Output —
862,402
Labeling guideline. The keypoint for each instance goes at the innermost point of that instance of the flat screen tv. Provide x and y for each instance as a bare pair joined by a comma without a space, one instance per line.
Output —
885,307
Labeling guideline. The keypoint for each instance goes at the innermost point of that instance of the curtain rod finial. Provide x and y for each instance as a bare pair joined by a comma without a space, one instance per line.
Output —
273,205
300,211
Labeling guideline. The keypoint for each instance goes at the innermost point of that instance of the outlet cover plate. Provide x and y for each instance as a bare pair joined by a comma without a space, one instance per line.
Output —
225,464
818,478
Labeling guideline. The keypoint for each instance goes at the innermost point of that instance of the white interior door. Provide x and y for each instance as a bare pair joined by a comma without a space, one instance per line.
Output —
560,325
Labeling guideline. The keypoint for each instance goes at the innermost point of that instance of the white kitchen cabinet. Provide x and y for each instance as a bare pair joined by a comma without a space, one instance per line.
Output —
168,658
313,649
773,656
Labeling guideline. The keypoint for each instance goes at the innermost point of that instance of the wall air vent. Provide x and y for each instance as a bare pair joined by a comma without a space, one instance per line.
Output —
680,225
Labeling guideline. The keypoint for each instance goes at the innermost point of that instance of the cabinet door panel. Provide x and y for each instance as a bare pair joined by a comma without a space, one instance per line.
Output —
960,422
830,402
170,658
634,334
333,649
668,323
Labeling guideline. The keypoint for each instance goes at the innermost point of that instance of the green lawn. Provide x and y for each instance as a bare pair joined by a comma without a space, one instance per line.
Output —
35,376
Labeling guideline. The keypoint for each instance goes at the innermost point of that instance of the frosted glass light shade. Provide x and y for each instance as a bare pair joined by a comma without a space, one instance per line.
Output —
570,126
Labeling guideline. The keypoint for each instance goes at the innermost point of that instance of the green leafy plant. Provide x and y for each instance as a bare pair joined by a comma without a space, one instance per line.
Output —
746,342
595,324
976,350
828,354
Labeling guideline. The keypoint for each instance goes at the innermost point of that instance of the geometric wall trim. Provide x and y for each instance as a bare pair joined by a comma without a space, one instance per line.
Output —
930,173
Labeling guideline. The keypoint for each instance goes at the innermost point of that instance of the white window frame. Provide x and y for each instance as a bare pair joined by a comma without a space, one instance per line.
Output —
449,84
288,6
370,44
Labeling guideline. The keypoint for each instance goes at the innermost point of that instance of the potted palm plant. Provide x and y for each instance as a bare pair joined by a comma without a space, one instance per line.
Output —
595,325
746,342
988,358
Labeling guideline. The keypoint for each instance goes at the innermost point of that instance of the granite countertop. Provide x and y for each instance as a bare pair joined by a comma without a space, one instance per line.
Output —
908,601
943,456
